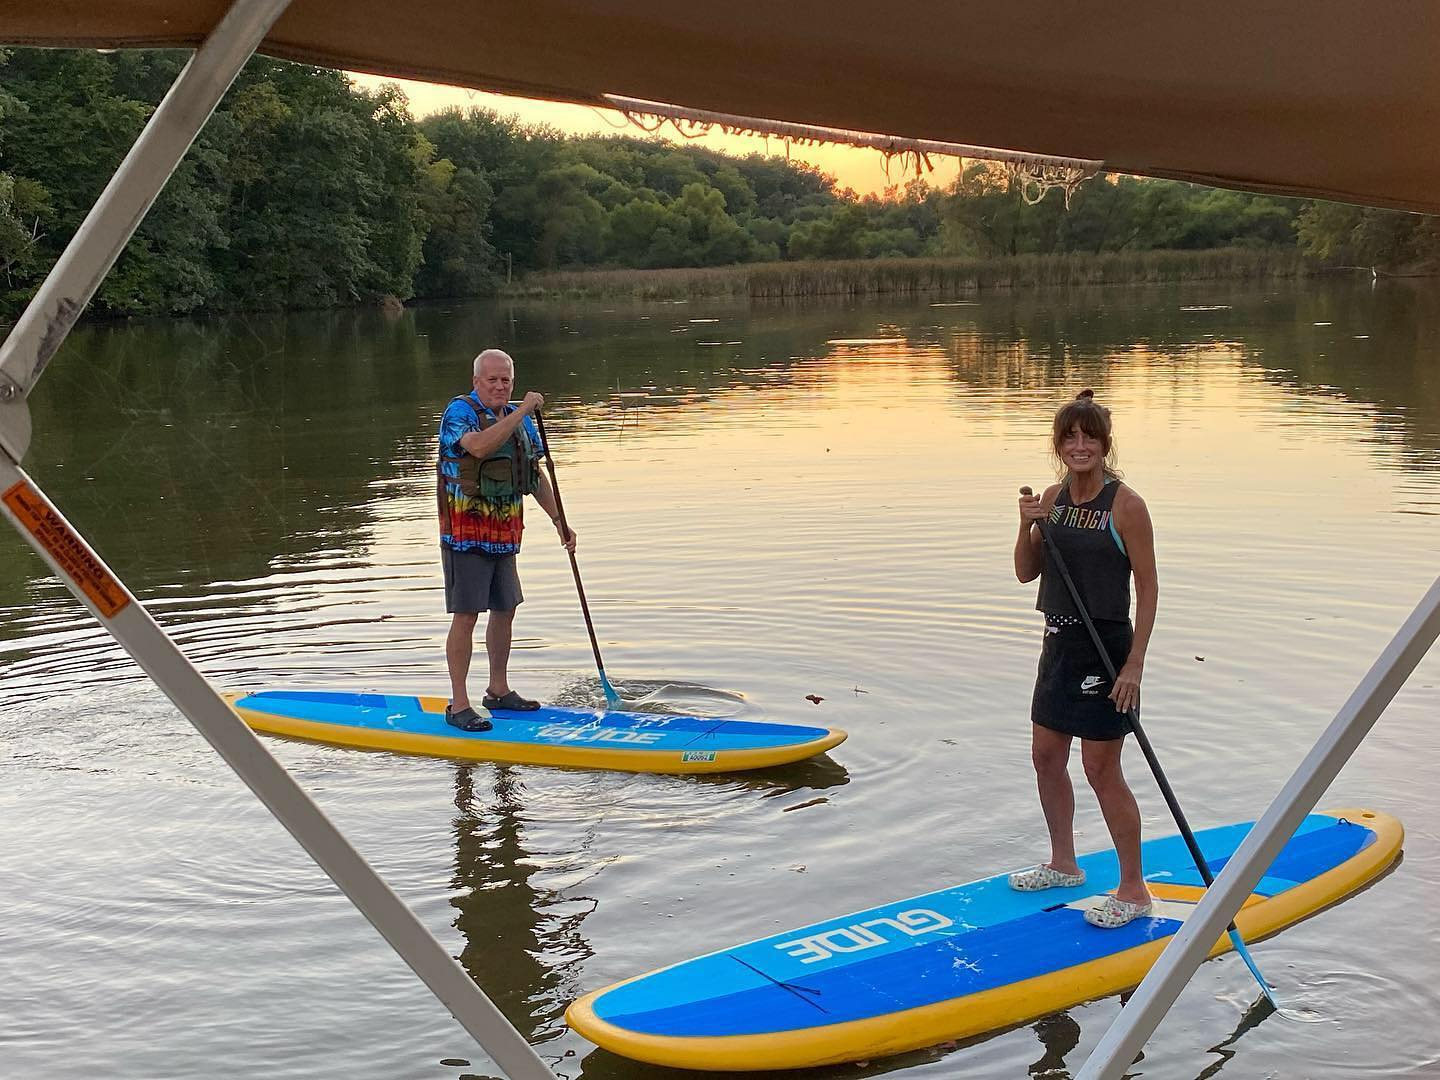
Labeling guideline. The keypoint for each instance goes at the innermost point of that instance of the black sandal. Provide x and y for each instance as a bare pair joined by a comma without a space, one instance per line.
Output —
467,719
509,700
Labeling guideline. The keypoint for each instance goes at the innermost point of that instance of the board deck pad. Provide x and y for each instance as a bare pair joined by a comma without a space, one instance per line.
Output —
551,735
960,961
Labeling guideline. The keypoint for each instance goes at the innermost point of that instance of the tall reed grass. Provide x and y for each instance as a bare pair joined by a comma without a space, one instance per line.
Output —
938,275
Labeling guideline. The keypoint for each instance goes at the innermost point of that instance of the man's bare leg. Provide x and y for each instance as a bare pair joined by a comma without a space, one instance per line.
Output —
459,647
498,632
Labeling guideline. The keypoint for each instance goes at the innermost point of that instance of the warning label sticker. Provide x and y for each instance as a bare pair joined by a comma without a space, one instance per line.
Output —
66,548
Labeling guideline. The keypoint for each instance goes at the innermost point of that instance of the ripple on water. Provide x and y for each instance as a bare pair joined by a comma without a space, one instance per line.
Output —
1353,1003
833,523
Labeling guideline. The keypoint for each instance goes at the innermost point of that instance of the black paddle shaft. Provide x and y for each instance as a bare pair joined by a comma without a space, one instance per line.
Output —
1140,737
565,530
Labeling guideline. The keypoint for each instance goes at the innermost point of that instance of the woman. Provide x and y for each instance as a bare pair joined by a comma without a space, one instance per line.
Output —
1103,531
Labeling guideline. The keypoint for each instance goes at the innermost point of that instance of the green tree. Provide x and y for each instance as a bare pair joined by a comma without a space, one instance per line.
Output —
983,214
785,190
458,256
713,238
633,228
510,157
76,119
1389,240
24,210
328,208
574,222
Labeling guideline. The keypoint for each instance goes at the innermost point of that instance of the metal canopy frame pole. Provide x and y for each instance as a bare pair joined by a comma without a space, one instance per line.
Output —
23,357
1126,1037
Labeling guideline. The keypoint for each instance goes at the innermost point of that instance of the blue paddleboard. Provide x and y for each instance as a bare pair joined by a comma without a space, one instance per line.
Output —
587,738
959,962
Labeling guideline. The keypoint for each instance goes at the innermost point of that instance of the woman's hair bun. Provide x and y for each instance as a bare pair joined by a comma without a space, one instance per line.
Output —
1084,394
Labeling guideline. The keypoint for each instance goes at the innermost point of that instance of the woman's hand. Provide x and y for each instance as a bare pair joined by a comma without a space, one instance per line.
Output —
567,536
1031,509
1126,691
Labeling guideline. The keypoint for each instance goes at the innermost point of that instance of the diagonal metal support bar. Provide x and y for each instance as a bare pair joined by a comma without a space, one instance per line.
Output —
23,357
37,519
1172,971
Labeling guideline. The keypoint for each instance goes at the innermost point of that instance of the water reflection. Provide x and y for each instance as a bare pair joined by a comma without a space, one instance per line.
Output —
1058,1034
1259,1009
799,502
279,437
522,941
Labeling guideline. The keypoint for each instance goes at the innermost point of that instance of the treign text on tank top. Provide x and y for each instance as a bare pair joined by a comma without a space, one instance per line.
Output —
1087,539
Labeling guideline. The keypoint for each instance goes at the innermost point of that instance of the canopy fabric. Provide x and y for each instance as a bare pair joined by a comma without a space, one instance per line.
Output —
1328,99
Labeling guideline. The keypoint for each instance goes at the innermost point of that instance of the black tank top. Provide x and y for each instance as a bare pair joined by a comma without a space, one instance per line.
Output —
1088,540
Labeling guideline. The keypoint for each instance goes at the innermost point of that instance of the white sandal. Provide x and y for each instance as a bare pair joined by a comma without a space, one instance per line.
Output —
1044,877
1113,913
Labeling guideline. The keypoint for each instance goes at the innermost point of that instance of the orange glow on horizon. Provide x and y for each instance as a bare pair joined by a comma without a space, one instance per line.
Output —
862,170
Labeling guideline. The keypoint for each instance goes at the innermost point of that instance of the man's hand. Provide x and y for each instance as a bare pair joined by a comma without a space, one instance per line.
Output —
532,403
567,536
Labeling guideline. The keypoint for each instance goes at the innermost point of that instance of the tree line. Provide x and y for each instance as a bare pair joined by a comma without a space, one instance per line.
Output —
304,190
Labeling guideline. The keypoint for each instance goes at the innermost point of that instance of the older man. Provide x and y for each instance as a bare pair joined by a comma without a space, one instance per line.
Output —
489,461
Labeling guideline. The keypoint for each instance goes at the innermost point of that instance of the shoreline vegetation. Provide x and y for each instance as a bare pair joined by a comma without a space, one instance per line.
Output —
940,276
304,192
946,276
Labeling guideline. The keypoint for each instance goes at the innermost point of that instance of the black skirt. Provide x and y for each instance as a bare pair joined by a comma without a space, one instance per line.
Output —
1072,690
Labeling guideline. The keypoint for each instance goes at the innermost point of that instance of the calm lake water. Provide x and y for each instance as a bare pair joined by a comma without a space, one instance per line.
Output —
772,502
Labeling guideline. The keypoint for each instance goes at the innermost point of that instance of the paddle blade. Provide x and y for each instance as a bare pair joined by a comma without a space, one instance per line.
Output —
1265,987
612,696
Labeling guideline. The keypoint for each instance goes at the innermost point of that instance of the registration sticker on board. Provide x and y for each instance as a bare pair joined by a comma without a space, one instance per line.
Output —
67,549
697,755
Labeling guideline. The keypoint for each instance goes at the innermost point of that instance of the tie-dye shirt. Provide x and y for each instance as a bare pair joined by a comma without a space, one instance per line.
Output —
478,524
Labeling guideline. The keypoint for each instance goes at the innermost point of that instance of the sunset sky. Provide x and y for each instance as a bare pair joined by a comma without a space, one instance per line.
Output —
863,170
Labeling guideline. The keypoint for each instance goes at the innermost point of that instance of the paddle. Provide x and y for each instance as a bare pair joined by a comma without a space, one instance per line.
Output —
1149,752
612,698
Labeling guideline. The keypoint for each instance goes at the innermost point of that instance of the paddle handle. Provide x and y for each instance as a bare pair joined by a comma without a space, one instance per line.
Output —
565,530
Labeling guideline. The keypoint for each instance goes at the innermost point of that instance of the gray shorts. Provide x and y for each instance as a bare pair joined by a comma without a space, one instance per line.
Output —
476,582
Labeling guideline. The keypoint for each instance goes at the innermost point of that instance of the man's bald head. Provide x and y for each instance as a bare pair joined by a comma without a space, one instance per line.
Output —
494,378
492,356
